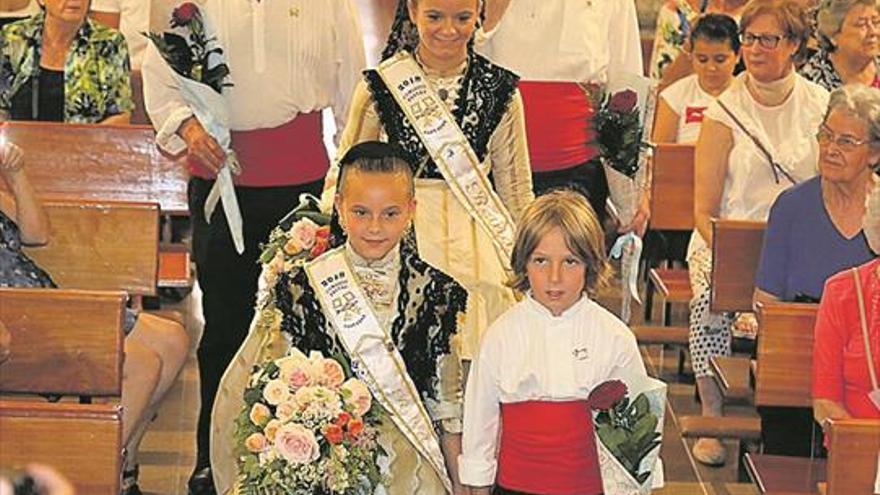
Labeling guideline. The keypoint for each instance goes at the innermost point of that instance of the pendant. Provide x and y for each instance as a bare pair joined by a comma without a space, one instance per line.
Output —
293,12
443,93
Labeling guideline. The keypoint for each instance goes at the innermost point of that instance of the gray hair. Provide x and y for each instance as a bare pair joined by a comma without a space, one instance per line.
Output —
863,103
830,17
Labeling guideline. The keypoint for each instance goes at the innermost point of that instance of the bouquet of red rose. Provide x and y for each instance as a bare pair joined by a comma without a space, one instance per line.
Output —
628,434
192,54
197,68
619,131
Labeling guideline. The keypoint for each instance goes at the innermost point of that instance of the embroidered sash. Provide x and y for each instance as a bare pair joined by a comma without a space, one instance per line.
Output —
450,150
374,356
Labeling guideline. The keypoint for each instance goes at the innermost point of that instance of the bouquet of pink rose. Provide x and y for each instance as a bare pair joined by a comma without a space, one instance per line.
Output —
307,428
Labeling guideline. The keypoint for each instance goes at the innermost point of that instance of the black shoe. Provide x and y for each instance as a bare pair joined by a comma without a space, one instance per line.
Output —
129,482
202,482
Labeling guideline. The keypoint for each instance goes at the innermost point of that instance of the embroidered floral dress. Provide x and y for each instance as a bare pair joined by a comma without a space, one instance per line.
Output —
421,307
96,72
821,71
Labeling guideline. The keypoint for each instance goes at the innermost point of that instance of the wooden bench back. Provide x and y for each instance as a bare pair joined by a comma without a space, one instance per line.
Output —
736,252
785,354
102,246
672,191
82,441
66,342
852,456
117,163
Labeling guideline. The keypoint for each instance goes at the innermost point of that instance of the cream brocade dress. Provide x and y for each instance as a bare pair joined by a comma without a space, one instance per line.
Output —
411,472
448,238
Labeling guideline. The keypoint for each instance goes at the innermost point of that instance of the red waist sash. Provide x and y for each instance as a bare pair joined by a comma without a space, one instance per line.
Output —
558,124
290,154
548,448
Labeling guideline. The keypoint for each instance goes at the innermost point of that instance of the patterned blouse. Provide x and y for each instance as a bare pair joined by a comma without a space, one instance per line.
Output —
96,72
673,28
821,71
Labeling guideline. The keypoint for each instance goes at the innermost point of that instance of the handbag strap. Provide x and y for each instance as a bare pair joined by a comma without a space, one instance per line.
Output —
864,321
774,166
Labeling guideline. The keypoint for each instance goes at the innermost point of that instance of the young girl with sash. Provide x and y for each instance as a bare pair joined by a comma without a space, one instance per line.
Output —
459,120
395,318
538,363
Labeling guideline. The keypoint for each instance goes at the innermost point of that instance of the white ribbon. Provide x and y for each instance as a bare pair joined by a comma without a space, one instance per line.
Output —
224,189
628,248
374,356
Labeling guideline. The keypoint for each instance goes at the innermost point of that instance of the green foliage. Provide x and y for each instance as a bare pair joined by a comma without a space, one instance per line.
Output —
627,430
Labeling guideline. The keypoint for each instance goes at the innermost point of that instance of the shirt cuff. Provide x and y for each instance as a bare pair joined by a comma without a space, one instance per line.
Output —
166,135
476,472
448,414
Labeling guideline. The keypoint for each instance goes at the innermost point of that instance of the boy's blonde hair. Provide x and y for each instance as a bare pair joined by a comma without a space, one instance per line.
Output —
583,234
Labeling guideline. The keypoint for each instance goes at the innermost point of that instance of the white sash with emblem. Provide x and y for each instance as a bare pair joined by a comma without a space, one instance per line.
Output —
373,354
449,148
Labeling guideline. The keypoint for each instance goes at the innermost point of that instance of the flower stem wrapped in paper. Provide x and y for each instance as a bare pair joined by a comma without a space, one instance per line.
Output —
194,64
629,433
623,123
308,427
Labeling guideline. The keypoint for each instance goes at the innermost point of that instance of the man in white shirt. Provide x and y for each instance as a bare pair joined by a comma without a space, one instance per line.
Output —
288,61
554,46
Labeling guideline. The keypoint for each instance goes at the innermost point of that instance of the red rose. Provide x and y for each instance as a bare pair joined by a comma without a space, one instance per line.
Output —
333,434
623,101
184,14
342,419
355,427
606,394
323,232
321,245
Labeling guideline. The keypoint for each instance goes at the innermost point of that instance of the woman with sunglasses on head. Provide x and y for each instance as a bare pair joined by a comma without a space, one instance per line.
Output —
757,139
849,44
815,230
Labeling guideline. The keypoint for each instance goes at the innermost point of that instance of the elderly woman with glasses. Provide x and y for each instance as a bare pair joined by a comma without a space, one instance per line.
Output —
757,139
815,230
849,44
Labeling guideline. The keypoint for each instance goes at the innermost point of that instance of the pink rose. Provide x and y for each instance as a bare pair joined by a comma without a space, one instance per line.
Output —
184,14
256,442
296,444
259,414
304,231
299,378
357,396
623,101
332,374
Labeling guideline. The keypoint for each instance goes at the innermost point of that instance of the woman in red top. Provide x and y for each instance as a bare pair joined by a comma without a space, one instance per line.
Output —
842,376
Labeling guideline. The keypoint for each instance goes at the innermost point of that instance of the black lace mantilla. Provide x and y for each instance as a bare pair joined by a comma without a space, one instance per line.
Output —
428,307
486,92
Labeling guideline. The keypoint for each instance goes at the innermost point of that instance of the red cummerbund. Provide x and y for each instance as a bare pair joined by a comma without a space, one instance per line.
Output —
290,154
548,448
558,124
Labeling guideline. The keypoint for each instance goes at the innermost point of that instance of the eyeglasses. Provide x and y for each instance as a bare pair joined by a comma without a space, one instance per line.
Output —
865,23
845,142
768,41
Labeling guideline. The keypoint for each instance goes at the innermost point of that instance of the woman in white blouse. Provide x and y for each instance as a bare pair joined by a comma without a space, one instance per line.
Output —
757,140
539,361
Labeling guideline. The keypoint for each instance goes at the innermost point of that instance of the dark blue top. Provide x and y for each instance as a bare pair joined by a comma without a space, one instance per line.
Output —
802,247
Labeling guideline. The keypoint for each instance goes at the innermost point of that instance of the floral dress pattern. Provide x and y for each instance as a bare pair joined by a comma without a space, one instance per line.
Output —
821,71
673,28
16,269
97,81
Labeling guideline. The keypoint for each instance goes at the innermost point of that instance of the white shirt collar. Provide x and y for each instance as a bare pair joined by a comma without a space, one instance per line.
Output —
568,314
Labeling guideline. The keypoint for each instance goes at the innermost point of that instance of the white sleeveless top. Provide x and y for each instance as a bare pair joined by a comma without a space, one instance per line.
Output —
787,131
